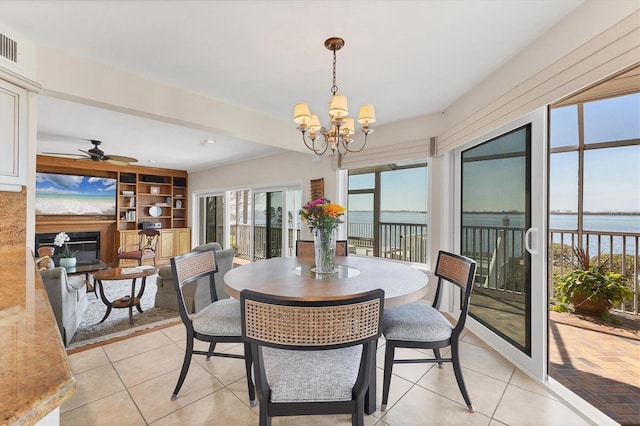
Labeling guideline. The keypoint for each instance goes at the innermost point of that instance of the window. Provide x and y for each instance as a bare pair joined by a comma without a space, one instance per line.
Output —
387,211
594,185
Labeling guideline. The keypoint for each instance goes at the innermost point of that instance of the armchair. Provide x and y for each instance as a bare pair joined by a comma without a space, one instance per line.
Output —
144,249
196,295
68,300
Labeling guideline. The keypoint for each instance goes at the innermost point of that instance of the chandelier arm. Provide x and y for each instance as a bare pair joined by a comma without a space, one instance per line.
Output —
347,149
312,147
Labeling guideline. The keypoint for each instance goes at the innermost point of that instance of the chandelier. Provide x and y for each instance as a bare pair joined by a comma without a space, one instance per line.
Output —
339,136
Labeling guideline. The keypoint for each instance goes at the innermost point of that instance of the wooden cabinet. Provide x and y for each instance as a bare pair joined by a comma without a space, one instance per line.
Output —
13,137
172,242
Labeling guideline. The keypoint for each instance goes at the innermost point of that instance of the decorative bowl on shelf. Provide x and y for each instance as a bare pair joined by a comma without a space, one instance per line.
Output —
155,211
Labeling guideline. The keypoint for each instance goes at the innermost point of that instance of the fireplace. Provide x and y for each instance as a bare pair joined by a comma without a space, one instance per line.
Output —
88,244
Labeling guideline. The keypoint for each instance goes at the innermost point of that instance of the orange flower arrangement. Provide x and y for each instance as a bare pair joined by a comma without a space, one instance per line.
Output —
322,214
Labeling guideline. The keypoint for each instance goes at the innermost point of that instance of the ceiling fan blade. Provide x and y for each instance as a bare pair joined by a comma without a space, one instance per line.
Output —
116,162
63,153
121,158
83,159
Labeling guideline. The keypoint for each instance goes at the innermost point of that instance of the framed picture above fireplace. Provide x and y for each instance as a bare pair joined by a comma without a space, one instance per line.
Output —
58,194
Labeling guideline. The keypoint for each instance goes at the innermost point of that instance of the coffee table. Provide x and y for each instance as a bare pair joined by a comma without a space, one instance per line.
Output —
129,302
87,269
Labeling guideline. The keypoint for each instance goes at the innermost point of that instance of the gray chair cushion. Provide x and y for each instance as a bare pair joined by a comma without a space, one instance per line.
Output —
299,376
221,318
416,322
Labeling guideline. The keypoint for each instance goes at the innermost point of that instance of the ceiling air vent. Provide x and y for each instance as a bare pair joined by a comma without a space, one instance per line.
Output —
8,48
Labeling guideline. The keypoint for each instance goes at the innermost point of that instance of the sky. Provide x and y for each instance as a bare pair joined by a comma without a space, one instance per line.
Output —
611,175
394,191
49,183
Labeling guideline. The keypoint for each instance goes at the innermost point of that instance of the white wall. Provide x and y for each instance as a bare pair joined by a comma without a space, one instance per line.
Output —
597,40
289,168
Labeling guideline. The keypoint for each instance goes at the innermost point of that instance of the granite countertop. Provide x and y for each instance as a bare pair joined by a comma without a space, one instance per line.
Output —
35,375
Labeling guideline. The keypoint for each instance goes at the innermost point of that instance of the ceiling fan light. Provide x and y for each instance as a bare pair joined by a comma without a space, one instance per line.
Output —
338,106
367,114
301,114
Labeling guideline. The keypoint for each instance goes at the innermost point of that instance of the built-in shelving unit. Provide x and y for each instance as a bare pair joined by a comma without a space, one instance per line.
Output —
127,216
154,198
145,194
179,202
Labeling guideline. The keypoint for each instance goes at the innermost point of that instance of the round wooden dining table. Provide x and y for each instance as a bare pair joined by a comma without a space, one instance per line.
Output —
292,277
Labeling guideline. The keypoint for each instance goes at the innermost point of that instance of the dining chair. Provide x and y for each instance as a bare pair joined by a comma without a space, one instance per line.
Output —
305,248
312,357
218,322
419,325
145,248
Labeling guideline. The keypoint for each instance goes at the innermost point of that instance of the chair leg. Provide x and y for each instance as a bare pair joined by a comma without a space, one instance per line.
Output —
188,352
265,420
455,358
388,368
248,362
212,348
436,353
357,417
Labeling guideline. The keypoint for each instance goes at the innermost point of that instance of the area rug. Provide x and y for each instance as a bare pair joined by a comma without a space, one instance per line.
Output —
92,331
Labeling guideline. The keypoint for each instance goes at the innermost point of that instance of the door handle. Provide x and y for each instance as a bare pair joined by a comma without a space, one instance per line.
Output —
527,240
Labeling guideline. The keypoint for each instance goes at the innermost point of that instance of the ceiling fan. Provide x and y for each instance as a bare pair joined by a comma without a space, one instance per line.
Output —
96,154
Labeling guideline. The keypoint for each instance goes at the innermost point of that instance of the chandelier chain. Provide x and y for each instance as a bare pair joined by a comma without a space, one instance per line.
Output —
334,88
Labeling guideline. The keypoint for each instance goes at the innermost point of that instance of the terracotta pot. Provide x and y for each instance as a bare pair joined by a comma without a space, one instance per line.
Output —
597,305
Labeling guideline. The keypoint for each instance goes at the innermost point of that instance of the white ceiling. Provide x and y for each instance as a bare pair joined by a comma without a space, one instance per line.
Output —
408,58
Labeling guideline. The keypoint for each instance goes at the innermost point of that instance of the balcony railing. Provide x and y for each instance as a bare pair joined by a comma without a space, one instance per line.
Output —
263,237
497,249
619,249
400,241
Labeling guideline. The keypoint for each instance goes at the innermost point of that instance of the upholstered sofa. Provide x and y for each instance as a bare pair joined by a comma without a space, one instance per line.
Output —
196,295
68,300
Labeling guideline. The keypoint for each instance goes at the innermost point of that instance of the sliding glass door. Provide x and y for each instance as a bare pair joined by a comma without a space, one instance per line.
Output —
267,229
211,226
501,222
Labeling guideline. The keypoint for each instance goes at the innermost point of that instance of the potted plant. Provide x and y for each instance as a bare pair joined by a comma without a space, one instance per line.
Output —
591,289
67,257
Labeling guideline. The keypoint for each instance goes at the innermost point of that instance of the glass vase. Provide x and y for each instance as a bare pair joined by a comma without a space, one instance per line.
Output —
67,262
325,249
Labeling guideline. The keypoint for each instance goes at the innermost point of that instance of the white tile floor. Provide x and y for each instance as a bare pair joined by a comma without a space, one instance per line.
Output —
130,382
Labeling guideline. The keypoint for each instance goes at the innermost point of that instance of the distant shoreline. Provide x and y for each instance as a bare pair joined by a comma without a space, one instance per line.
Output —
567,213
514,212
